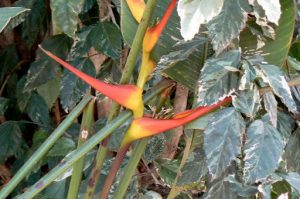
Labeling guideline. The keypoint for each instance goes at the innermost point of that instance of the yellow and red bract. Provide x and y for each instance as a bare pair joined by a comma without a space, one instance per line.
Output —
136,8
145,127
129,96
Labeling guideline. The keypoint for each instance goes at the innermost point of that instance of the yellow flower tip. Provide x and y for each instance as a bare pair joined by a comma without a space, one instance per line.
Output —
137,8
146,69
134,101
135,132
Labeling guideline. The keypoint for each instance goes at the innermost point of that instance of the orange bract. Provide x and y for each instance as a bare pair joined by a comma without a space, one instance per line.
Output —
137,8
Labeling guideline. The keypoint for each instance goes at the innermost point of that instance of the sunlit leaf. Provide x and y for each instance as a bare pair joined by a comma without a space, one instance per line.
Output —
261,160
193,13
272,9
222,140
10,17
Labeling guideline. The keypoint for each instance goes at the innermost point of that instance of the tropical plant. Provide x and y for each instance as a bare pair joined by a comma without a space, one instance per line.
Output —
227,70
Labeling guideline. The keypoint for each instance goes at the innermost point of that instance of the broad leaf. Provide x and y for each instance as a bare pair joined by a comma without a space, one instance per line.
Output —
193,13
37,110
10,17
44,68
216,82
227,25
220,189
155,147
247,102
22,96
240,188
272,9
106,38
248,77
293,179
167,170
11,141
34,22
222,140
73,88
50,91
275,77
65,15
4,104
292,152
8,60
62,147
270,104
285,125
274,51
261,160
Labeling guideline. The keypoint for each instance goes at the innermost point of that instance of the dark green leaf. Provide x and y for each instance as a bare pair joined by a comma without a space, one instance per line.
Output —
294,63
295,50
247,102
8,60
35,21
81,43
167,170
239,188
22,97
216,82
65,15
73,88
4,104
62,147
220,189
222,140
50,91
293,179
276,78
44,68
285,125
275,51
38,112
292,152
200,123
227,25
10,17
261,159
11,141
155,147
106,38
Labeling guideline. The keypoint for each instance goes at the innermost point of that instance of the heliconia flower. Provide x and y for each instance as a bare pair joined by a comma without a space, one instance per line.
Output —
145,127
146,69
137,8
152,34
129,96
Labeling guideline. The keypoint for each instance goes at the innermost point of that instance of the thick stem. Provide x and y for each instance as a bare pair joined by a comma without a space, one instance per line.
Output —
113,171
86,127
44,148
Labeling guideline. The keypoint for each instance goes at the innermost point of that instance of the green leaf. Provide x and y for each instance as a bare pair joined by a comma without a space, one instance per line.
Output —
200,123
11,17
73,88
227,25
248,77
65,15
220,189
11,141
106,38
270,105
240,188
167,170
247,102
193,13
275,51
38,112
155,147
222,140
276,79
22,96
50,91
285,125
34,23
261,159
293,63
44,68
295,50
8,60
216,82
4,104
81,43
272,10
62,147
292,152
184,62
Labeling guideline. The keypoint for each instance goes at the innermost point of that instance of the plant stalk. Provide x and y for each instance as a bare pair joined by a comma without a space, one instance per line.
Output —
44,148
86,128
126,75
86,147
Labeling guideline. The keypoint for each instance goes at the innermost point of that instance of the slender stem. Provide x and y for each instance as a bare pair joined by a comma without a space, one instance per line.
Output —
86,127
126,75
130,168
86,147
44,148
113,171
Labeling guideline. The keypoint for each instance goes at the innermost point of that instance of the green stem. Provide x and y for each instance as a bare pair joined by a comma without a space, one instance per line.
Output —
44,148
86,128
86,147
130,168
126,75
